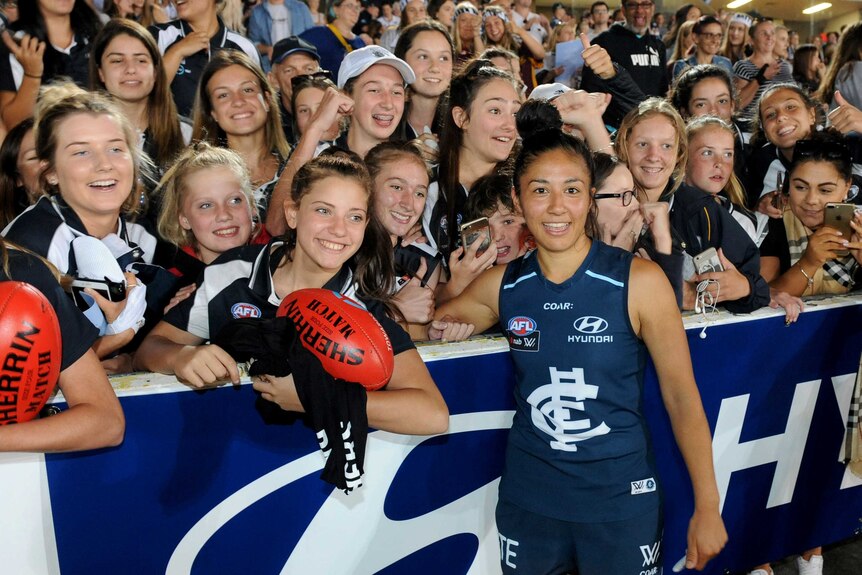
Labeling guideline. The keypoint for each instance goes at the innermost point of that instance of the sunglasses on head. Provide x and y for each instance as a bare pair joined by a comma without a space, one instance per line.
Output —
303,79
821,150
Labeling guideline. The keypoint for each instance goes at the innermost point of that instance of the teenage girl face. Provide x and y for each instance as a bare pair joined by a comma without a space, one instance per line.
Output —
400,190
307,102
693,13
28,166
445,13
56,7
736,33
414,11
378,101
711,96
611,214
507,230
555,200
652,152
330,223
465,26
430,56
216,211
710,159
494,28
127,69
93,165
237,101
785,118
489,133
814,184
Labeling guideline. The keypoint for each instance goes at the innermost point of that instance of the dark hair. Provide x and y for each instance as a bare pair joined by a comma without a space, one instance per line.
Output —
683,87
83,20
462,92
372,264
592,6
823,146
849,50
207,129
538,113
320,82
759,137
12,196
540,140
603,166
386,152
757,24
164,124
487,192
802,61
679,17
703,22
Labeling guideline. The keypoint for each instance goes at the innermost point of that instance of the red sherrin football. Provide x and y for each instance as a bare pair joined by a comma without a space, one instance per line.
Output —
347,340
30,351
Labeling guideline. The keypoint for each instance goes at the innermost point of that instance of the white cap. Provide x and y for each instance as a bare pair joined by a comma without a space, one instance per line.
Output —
358,61
548,92
95,260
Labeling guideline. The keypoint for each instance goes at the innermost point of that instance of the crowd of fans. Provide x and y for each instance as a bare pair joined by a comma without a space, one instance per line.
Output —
227,153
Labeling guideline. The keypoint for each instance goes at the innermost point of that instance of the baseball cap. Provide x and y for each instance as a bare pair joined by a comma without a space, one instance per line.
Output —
358,61
548,92
290,45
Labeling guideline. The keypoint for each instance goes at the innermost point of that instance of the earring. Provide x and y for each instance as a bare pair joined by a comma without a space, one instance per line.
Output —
53,181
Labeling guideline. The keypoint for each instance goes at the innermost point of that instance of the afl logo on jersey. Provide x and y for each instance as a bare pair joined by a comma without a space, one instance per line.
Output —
523,334
522,325
590,324
244,310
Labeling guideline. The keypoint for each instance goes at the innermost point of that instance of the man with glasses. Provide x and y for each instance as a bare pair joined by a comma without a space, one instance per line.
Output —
601,15
634,51
291,57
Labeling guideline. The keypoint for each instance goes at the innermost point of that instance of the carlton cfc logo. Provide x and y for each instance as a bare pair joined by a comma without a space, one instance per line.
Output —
244,310
522,325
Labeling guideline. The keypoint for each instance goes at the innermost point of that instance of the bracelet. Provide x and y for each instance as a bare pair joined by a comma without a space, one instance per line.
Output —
808,278
33,76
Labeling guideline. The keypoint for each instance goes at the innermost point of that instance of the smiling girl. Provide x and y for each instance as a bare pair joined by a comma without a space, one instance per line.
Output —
236,107
652,141
207,208
562,496
333,243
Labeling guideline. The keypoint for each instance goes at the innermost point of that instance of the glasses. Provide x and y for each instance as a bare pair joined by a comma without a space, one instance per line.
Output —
350,6
300,80
711,36
626,196
827,150
635,5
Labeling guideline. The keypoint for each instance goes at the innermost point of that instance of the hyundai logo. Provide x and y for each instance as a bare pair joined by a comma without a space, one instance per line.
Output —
590,324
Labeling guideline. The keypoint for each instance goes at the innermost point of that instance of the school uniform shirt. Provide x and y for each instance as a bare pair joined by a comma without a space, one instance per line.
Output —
48,227
185,82
239,285
435,217
72,62
77,332
578,449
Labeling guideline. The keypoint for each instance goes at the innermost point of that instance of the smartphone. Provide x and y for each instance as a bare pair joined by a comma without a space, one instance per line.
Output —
839,216
111,291
707,261
477,230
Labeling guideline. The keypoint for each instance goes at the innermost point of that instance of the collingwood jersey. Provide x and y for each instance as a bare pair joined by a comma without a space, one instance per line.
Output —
578,449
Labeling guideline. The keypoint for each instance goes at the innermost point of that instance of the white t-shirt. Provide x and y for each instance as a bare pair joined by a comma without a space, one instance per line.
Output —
280,22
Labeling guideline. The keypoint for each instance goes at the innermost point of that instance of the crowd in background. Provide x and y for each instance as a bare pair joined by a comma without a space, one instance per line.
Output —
226,153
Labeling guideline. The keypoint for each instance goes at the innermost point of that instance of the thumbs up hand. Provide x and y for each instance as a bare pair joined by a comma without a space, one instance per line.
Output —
845,118
597,59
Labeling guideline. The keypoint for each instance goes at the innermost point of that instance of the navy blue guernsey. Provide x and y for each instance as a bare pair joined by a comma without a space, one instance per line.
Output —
579,449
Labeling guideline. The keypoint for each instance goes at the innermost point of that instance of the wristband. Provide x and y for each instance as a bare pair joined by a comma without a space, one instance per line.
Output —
761,75
39,77
808,278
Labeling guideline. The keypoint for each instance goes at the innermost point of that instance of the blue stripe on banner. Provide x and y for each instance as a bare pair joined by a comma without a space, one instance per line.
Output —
604,278
519,280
